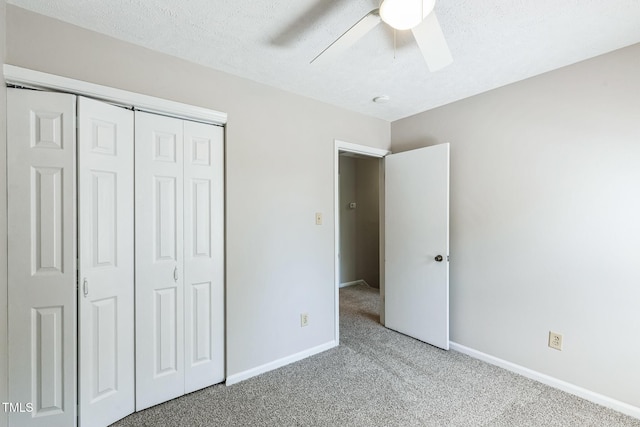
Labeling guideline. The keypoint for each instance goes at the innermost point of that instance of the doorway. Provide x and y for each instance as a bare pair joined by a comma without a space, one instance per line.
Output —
359,220
359,248
413,239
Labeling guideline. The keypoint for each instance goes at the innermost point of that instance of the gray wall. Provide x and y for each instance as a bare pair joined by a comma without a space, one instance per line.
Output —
3,221
359,227
279,172
348,235
368,220
545,229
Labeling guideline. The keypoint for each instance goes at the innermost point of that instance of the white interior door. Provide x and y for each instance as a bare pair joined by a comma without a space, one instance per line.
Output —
106,264
41,259
417,244
203,255
159,259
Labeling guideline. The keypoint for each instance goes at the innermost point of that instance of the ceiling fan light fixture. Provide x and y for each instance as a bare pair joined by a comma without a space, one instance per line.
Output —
405,14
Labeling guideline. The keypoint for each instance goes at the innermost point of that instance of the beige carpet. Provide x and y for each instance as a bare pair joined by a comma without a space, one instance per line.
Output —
377,377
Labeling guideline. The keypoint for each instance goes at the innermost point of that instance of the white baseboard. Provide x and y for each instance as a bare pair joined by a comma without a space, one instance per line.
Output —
355,282
245,375
600,399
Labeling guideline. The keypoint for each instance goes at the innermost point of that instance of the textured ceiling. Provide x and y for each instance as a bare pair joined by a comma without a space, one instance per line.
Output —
493,43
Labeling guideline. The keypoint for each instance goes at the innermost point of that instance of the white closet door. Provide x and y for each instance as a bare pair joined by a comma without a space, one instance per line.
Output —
105,252
203,255
42,268
159,259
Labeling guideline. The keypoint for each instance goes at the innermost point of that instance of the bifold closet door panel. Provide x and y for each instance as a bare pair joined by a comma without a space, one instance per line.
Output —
106,264
41,137
203,255
159,260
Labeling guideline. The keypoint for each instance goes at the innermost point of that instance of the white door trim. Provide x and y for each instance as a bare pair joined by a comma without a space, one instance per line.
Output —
342,146
14,75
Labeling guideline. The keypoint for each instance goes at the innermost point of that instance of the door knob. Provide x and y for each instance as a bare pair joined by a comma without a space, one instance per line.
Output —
438,258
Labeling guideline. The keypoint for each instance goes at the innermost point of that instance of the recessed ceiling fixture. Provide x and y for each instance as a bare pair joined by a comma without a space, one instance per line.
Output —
416,15
381,99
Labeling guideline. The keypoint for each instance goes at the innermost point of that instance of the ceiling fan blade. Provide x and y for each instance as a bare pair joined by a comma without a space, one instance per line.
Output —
351,36
432,43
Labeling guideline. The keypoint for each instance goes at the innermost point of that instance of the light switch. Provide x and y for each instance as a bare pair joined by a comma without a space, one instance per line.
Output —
318,218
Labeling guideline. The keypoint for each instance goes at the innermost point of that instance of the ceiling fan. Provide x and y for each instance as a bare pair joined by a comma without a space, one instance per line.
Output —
416,15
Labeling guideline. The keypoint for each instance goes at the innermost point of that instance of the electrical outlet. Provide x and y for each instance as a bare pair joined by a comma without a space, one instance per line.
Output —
555,340
304,319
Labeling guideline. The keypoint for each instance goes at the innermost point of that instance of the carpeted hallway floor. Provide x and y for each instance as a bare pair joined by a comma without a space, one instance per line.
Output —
377,377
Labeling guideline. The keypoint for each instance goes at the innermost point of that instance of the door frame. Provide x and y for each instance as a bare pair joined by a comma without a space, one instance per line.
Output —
378,153
32,79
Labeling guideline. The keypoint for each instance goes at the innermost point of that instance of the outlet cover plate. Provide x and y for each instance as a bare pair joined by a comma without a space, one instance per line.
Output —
555,340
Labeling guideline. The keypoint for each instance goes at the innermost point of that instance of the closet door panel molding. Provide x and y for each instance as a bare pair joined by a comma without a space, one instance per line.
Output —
204,263
41,259
105,242
159,260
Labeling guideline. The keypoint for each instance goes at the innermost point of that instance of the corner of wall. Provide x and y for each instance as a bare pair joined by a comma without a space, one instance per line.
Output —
3,220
